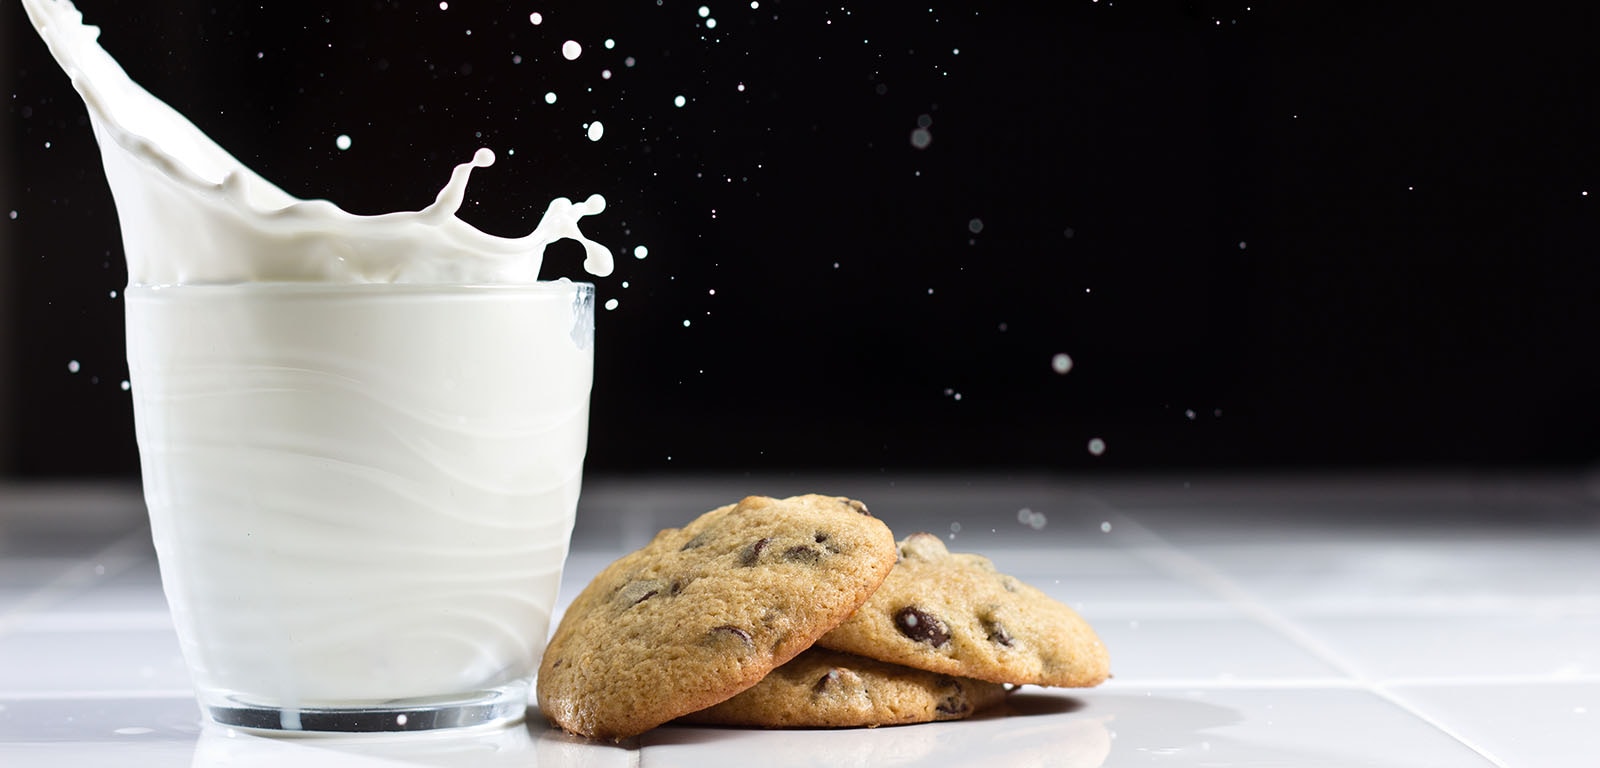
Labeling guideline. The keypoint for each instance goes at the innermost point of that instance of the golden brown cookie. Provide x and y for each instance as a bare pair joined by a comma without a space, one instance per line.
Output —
827,689
705,611
955,614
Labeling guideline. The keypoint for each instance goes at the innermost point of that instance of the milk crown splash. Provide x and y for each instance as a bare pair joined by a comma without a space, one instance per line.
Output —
192,213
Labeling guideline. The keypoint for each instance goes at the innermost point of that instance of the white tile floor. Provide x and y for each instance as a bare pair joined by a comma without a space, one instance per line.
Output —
1250,622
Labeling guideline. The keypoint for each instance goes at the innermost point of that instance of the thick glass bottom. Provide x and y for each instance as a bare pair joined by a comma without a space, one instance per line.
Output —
497,706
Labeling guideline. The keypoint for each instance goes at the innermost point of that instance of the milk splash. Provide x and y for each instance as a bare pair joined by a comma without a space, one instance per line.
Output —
193,214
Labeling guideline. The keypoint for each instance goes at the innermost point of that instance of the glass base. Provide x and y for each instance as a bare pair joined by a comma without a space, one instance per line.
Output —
497,706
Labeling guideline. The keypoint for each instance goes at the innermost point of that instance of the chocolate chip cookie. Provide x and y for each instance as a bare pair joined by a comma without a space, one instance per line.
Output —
827,689
705,611
955,614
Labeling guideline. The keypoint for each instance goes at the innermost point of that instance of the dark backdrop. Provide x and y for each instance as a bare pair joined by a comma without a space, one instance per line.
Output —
1330,234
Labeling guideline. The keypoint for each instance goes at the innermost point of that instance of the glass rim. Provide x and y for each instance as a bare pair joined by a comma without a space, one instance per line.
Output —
289,287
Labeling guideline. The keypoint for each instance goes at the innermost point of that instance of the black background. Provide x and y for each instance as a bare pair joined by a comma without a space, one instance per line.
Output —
1270,236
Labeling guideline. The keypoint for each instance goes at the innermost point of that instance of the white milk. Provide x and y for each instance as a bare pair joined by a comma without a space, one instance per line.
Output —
350,502
361,436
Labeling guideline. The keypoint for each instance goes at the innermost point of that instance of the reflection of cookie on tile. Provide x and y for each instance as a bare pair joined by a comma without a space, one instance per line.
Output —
705,611
828,689
955,614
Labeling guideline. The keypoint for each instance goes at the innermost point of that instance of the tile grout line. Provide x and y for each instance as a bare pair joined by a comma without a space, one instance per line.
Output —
112,559
107,695
1176,562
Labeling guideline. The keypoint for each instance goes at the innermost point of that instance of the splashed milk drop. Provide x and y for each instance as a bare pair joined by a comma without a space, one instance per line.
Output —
571,50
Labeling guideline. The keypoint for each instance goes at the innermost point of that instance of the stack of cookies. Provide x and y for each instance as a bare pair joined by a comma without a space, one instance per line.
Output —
802,612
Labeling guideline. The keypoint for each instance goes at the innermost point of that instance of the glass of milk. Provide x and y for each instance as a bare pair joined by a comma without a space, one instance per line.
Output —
361,436
361,495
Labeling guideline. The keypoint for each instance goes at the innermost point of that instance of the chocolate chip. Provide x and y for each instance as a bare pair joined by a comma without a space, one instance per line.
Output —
728,630
921,626
831,677
695,543
820,537
752,553
636,592
997,632
803,554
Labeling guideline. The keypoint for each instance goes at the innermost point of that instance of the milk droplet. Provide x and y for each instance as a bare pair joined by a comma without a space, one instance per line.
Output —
400,719
679,101
1241,245
536,18
740,87
73,366
711,23
975,226
610,43
596,130
921,138
611,303
1061,363
605,74
342,142
571,50
1105,527
686,323
704,11
126,385
1189,414
444,6
1097,446
754,5
13,215
640,252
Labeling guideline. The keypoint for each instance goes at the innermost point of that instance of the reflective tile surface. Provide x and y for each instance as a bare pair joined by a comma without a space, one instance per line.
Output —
1251,621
